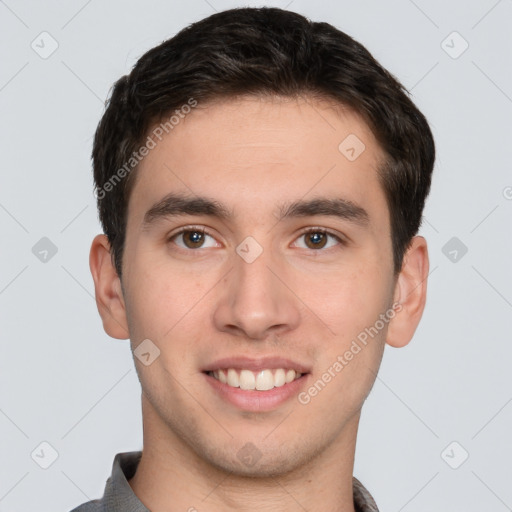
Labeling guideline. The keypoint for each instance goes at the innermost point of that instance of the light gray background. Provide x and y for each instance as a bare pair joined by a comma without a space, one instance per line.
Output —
65,382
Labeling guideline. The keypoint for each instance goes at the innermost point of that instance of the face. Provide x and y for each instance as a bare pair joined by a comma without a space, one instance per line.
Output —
258,255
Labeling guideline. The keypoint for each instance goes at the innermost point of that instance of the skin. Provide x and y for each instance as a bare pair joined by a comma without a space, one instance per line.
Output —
303,303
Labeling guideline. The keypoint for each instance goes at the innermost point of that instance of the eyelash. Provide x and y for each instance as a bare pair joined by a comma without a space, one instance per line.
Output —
306,231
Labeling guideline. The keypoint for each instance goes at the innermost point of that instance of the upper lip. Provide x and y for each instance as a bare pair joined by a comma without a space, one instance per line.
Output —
256,364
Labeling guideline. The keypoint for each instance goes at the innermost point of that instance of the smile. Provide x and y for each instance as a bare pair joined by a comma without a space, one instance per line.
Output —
262,380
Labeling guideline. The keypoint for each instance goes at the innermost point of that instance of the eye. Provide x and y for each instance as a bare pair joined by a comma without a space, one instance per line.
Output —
317,238
197,238
192,238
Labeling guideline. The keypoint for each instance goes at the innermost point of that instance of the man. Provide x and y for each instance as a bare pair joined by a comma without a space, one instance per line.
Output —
260,181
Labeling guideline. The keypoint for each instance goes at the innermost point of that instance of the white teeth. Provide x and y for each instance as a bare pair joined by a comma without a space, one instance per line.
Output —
222,376
279,378
247,380
233,379
262,380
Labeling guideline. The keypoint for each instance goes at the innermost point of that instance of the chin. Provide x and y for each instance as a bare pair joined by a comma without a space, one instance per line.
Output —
264,468
251,462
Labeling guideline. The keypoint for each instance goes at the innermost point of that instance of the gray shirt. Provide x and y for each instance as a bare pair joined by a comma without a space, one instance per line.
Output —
119,497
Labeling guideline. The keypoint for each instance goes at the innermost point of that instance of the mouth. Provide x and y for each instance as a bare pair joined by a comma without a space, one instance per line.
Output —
262,380
257,385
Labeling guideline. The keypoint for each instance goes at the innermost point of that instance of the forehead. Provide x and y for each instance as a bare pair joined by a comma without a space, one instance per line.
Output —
249,152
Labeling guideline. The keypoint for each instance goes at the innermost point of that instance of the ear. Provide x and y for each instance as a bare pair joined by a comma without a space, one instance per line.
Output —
108,291
410,294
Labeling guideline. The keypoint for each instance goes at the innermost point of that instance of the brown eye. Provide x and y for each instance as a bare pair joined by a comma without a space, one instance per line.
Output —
193,239
316,239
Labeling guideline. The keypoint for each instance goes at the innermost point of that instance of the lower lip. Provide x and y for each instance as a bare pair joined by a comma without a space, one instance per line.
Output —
254,400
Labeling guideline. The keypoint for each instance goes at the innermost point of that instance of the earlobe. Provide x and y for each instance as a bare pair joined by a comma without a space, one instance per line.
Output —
108,292
410,294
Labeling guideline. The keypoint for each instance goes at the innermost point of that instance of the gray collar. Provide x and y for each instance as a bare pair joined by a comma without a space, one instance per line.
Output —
119,497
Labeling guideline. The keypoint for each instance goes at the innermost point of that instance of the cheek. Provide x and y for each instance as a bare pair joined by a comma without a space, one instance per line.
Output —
352,300
353,346
155,302
350,353
164,305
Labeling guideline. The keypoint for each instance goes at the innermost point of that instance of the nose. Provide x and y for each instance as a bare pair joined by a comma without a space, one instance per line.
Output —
256,300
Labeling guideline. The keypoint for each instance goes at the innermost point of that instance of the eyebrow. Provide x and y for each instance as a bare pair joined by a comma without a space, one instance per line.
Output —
173,205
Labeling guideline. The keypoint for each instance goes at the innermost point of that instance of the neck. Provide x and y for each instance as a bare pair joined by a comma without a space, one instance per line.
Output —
172,477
